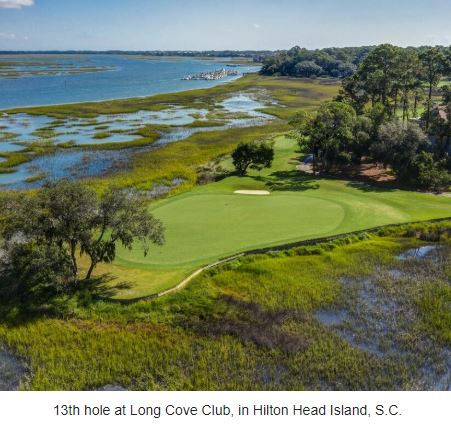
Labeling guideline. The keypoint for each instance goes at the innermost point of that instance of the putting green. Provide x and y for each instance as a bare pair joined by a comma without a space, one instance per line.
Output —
204,227
211,222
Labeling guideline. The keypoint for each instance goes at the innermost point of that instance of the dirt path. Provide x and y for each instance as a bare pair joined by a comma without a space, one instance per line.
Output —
196,273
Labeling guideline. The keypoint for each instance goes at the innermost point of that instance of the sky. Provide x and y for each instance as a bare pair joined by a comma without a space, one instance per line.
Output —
223,24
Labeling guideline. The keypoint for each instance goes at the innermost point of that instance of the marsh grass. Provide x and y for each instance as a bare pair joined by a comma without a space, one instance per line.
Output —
102,135
12,159
45,133
155,164
289,93
249,324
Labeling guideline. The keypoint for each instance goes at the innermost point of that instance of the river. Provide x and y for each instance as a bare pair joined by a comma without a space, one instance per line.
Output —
118,77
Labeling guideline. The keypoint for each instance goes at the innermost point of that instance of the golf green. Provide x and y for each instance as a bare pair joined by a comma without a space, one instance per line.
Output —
202,226
210,222
205,227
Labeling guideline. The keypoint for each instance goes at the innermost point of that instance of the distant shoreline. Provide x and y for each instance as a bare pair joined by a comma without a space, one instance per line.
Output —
149,83
9,109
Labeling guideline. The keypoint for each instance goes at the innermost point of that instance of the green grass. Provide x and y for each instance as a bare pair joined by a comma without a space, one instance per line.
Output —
11,159
248,325
211,222
102,135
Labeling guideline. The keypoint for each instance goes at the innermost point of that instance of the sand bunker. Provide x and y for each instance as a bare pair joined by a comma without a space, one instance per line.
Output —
253,192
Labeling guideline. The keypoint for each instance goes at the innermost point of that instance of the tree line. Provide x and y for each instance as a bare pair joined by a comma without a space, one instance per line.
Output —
330,62
372,117
304,63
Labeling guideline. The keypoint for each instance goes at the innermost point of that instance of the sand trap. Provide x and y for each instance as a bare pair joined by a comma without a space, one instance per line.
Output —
253,192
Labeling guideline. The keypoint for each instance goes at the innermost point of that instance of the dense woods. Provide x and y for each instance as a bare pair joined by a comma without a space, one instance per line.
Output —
304,63
395,110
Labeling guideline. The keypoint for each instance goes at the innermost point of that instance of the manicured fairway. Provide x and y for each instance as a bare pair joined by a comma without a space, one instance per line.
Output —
211,221
204,225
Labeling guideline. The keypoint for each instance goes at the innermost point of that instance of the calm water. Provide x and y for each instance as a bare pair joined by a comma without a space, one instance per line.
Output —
126,77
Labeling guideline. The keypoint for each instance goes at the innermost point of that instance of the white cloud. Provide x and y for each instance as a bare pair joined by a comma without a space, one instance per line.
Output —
9,36
257,26
15,4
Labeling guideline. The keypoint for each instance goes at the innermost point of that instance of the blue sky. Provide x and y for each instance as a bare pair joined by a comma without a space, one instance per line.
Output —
223,24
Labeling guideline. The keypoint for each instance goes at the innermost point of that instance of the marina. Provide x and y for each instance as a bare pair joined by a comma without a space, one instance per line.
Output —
214,75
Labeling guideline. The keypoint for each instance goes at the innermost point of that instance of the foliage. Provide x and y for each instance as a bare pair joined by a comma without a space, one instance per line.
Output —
66,218
431,174
434,66
252,155
120,217
329,135
33,272
440,124
398,146
307,69
389,80
396,77
300,62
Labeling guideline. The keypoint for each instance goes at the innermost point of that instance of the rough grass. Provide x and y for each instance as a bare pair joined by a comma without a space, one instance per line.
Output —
248,325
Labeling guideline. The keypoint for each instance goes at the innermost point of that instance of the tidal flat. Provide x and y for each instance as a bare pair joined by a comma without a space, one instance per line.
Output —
71,141
242,109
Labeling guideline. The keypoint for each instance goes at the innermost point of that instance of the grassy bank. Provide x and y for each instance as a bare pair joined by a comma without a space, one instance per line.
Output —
253,324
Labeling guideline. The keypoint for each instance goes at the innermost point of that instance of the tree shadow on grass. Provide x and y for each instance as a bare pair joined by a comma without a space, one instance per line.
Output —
101,287
289,181
369,187
24,305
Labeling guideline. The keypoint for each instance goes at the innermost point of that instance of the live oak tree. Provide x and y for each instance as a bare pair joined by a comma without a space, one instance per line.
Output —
66,220
431,174
122,217
252,155
398,146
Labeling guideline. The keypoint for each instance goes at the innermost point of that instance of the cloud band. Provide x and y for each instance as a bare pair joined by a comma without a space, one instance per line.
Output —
15,4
